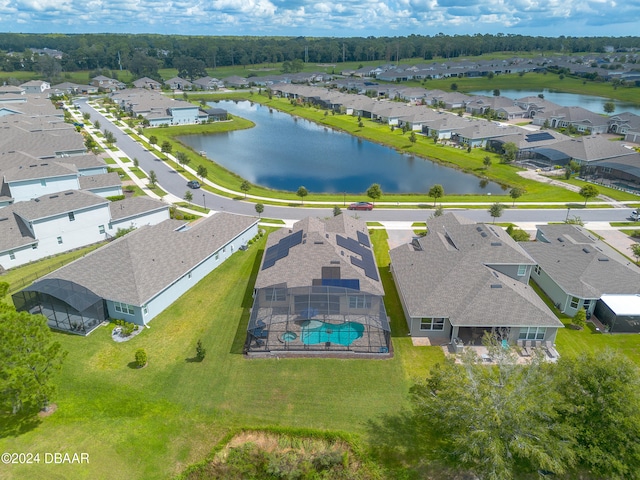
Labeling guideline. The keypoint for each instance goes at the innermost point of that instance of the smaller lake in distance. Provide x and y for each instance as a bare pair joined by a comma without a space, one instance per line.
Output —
284,152
590,102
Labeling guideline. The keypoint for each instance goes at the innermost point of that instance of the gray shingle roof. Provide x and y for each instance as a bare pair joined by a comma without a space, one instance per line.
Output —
38,170
580,265
304,262
13,231
136,267
451,276
57,203
133,206
89,182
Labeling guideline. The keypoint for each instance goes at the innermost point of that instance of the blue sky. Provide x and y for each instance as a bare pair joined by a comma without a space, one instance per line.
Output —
324,18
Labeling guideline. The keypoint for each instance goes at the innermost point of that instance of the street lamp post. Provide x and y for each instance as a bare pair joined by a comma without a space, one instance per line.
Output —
566,220
204,201
344,199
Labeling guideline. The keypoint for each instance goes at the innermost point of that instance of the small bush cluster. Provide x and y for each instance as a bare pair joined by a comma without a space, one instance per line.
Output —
115,198
127,328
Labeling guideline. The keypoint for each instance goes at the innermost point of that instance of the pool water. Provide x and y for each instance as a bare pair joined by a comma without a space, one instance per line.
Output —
343,334
289,336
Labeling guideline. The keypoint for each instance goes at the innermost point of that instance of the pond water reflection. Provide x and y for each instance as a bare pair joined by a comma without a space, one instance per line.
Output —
284,152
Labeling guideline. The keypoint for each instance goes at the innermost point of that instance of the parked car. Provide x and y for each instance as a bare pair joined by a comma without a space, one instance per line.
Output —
193,184
360,206
635,215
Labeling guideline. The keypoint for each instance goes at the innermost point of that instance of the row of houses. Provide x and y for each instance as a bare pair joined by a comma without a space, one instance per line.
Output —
157,109
583,65
601,160
318,290
53,192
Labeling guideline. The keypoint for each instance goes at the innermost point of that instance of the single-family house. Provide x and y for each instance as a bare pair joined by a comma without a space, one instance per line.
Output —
106,84
137,276
148,83
177,83
235,81
35,86
318,292
208,83
464,279
575,269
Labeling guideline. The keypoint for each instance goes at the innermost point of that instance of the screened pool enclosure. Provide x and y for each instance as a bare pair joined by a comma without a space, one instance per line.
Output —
67,305
317,320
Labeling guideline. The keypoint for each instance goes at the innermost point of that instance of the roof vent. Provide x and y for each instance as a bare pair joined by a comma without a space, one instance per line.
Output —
496,285
560,239
68,193
586,250
484,234
600,259
335,262
53,196
318,243
496,244
479,229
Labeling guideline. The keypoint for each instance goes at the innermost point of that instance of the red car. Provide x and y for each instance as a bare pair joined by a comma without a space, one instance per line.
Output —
361,206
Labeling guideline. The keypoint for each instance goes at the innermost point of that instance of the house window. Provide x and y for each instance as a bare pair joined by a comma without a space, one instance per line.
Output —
124,308
432,323
537,269
72,217
12,256
217,256
359,301
224,249
575,301
189,274
43,183
145,309
586,304
34,246
101,229
522,269
275,294
532,333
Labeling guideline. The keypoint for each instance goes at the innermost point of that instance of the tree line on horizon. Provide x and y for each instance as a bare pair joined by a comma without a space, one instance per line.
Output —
146,53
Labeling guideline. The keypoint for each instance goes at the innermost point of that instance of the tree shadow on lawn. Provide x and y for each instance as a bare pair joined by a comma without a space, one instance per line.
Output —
402,443
193,360
237,346
16,425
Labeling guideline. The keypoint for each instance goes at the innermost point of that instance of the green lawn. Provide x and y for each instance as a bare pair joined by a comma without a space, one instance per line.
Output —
153,422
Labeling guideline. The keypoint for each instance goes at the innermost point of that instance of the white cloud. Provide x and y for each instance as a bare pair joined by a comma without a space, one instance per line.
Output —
323,17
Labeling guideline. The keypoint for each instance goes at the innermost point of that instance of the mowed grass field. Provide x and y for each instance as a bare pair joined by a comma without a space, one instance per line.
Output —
153,422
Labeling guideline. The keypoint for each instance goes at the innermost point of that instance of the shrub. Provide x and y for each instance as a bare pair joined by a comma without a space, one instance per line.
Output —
141,357
115,198
580,319
200,351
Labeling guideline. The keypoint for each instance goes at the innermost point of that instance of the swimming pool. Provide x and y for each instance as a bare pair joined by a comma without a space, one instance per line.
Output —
344,334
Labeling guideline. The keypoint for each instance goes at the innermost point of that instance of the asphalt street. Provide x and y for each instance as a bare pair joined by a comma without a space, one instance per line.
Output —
172,182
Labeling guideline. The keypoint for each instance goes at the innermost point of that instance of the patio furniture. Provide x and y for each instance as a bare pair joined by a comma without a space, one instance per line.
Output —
551,351
523,349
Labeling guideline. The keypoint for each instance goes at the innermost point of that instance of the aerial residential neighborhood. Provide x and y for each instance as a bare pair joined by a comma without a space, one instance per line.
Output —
194,321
